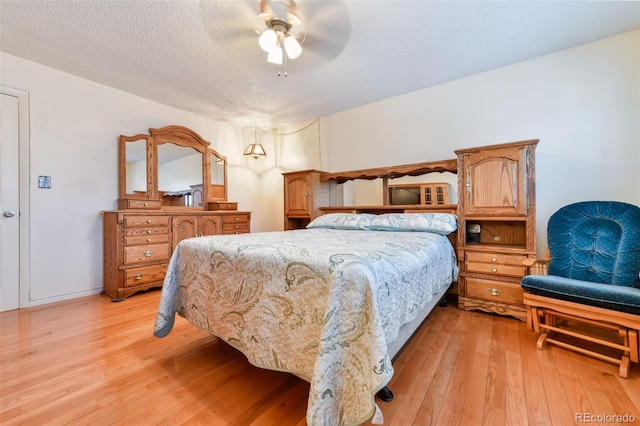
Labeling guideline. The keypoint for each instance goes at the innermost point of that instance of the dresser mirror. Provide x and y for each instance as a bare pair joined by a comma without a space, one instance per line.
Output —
172,168
180,175
136,167
218,177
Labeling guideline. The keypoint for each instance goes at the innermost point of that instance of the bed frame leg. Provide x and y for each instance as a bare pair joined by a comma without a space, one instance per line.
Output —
385,394
443,303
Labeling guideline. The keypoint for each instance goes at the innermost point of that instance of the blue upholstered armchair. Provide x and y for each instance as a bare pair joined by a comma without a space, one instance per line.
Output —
592,282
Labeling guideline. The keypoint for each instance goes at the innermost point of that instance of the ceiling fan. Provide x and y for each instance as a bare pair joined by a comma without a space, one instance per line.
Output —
235,28
284,31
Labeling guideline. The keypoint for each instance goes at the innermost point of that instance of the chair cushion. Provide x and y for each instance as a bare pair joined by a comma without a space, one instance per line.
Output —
597,241
617,298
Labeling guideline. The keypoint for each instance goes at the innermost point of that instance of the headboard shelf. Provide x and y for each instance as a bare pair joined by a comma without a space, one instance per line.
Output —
411,208
393,172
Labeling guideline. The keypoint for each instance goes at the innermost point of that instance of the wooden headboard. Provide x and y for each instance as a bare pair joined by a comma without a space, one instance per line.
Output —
394,172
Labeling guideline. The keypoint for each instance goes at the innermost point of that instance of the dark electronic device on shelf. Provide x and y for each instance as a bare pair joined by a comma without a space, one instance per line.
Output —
473,233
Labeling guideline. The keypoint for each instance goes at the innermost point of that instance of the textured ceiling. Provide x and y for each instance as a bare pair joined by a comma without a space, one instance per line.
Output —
203,56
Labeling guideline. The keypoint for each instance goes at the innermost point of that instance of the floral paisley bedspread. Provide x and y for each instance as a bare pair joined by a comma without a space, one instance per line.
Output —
318,303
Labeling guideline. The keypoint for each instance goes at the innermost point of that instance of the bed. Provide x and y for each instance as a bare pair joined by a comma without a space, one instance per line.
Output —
332,304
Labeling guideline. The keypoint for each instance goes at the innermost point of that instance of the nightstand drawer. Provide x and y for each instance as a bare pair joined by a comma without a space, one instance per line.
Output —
495,263
147,253
495,258
496,269
145,275
494,291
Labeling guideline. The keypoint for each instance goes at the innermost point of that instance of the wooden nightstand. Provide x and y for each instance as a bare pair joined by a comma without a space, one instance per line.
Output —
496,213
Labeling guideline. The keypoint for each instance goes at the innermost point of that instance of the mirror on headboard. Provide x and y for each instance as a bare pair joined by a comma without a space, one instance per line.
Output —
172,168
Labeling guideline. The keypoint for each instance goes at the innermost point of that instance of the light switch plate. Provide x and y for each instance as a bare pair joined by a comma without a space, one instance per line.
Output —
44,182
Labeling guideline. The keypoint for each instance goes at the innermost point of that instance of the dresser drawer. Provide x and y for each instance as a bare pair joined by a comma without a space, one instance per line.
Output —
238,228
147,253
494,291
144,275
222,205
150,238
135,220
144,204
235,218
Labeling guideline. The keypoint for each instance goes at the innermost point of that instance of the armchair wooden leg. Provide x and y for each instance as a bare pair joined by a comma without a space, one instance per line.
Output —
624,367
537,316
535,319
634,351
530,314
542,340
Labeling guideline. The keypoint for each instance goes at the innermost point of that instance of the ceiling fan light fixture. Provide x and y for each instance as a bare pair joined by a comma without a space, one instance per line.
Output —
285,32
268,40
275,56
292,47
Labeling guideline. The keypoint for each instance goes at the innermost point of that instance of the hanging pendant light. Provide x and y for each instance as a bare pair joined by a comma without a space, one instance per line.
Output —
255,150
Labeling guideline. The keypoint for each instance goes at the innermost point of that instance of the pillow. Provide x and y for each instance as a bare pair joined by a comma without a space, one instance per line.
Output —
342,221
438,223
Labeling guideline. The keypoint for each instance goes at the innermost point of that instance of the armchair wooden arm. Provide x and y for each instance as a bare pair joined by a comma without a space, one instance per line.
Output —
537,266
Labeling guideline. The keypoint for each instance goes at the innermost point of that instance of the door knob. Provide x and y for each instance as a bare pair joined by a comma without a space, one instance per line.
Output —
8,213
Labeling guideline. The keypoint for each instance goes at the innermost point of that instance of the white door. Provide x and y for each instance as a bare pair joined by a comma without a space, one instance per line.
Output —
9,203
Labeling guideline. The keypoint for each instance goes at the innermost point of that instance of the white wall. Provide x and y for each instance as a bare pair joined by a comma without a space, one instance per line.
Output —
582,103
75,124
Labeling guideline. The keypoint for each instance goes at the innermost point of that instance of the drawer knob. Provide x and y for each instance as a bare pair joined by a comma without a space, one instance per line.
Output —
148,231
493,259
237,219
228,206
148,220
494,270
148,253
137,277
148,240
494,291
146,204
237,226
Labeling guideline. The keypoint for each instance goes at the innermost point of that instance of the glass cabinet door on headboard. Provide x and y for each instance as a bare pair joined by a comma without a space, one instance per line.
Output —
172,168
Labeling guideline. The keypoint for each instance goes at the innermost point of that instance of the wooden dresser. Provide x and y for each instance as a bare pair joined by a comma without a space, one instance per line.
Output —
138,245
496,219
172,186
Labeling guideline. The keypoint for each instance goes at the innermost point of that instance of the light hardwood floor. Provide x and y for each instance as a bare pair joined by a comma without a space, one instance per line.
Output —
90,361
